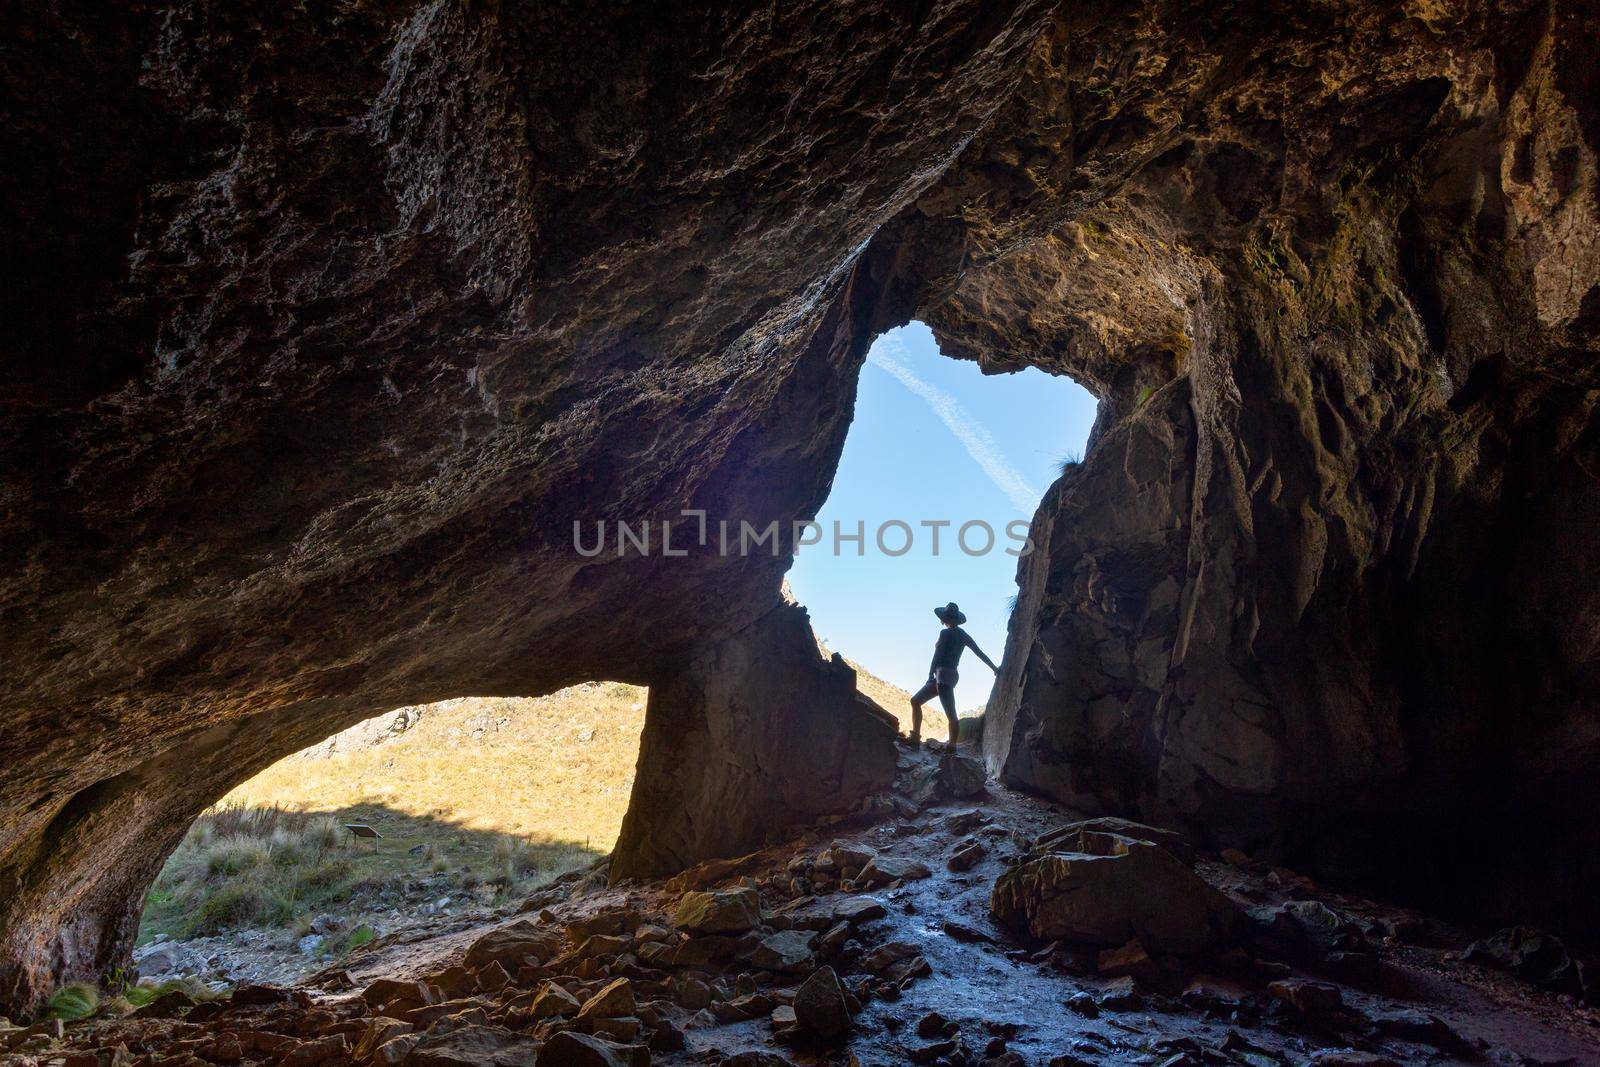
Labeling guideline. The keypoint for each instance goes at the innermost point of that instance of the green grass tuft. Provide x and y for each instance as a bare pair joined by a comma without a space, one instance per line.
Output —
71,1002
145,992
359,937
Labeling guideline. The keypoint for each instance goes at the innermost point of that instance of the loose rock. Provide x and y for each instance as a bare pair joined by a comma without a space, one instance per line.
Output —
728,911
820,1005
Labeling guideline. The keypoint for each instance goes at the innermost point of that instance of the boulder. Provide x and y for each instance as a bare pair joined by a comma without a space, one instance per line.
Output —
726,911
1132,960
961,775
335,1047
665,1036
455,981
492,977
786,951
623,1028
650,933
930,1053
1532,955
158,960
885,869
551,1000
967,855
512,945
749,1006
692,993
919,785
1124,889
1120,994
1427,1029
1065,838
165,1006
820,1005
1307,997
613,1000
856,910
395,1050
885,956
428,1014
379,1033
700,951
963,821
783,1021
474,1046
602,945
849,854
572,1049
611,921
257,995
755,1058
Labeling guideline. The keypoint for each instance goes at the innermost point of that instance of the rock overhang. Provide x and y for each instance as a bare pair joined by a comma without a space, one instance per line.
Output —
354,335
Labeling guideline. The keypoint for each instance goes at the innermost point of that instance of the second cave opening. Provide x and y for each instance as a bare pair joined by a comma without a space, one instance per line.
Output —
941,474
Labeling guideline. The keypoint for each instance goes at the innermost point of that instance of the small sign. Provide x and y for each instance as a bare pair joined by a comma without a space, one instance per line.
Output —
362,830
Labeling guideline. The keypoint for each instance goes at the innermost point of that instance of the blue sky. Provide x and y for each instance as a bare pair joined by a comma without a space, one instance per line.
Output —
934,439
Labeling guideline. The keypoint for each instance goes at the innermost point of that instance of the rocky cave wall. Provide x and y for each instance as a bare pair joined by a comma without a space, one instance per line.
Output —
330,320
1325,585
757,719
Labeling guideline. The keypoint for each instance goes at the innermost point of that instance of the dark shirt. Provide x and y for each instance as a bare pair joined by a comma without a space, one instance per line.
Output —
947,652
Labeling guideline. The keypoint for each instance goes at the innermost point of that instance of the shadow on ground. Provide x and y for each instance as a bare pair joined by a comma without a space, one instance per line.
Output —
311,886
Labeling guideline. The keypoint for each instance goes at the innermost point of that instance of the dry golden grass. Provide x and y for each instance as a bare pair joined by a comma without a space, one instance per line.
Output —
496,795
897,702
552,768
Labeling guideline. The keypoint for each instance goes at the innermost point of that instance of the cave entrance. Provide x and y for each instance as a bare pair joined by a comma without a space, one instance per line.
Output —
933,441
479,802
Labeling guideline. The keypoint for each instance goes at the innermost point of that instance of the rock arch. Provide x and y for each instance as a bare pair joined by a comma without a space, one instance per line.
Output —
329,324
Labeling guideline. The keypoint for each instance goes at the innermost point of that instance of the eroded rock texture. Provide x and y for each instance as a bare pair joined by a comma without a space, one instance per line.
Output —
327,321
1326,581
754,735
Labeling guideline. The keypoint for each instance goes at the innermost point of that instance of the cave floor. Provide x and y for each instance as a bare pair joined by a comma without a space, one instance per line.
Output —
1403,994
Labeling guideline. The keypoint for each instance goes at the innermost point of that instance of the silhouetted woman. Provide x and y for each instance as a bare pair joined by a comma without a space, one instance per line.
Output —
942,672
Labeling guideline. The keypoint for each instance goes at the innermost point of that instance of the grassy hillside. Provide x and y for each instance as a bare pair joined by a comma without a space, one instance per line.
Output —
897,702
553,768
477,798
480,800
557,768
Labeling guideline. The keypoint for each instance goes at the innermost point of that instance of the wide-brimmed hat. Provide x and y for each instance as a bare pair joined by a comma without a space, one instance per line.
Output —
950,613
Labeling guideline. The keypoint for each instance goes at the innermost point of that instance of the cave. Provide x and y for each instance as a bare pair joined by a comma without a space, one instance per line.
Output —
331,323
941,473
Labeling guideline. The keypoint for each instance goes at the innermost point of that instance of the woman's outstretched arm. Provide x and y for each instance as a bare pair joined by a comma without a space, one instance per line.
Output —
978,651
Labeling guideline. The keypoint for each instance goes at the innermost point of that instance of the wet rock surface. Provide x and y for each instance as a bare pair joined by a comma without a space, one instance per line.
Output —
896,986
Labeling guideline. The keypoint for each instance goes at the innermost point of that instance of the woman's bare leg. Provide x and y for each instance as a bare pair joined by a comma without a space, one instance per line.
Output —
917,700
947,697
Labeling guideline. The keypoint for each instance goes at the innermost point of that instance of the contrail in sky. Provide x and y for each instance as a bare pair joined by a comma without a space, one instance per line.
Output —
889,354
